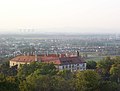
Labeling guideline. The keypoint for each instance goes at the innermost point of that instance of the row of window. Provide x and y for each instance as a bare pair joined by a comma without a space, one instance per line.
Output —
75,68
73,65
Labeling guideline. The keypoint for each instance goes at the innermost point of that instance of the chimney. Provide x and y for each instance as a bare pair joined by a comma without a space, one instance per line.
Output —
24,54
66,54
56,54
28,54
60,55
78,54
33,53
47,53
35,56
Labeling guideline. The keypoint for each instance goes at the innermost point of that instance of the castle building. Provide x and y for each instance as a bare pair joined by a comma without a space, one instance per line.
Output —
61,62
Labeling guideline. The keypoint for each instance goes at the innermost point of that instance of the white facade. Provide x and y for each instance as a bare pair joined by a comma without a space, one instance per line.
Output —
73,67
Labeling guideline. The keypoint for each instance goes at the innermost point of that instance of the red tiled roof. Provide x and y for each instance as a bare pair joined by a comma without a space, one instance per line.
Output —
25,58
52,61
46,59
71,60
49,59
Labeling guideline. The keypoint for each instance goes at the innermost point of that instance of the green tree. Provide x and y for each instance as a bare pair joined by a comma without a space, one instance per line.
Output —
115,72
43,68
66,74
58,83
116,60
91,65
87,81
48,69
4,68
8,83
35,82
103,66
92,79
80,82
108,86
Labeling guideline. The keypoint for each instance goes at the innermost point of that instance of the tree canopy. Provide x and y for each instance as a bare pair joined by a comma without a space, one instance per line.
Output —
38,76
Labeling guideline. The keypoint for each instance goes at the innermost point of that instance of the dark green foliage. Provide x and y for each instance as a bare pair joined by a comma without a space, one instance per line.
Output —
103,66
115,73
87,81
6,70
42,68
45,77
91,65
8,83
48,69
26,69
109,86
35,82
58,83
66,74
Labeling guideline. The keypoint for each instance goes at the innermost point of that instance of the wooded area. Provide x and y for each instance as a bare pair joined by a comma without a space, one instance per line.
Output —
103,75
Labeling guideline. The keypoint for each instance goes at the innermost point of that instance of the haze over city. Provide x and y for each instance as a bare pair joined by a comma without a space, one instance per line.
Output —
36,16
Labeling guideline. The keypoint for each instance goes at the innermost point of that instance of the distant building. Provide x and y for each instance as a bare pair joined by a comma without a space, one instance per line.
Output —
61,61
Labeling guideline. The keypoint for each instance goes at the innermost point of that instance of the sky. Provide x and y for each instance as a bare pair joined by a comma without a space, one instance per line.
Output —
86,16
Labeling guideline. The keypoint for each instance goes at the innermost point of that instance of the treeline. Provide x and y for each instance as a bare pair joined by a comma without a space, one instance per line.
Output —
103,75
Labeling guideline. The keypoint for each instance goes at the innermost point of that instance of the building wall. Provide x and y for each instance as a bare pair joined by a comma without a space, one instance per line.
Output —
13,63
73,67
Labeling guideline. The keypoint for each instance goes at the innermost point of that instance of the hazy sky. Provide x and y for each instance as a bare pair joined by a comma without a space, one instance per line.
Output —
60,15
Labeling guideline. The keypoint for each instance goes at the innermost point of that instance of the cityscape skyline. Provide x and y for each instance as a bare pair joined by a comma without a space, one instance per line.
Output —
59,31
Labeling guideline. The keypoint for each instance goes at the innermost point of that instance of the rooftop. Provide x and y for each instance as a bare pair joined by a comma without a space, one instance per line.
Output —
49,59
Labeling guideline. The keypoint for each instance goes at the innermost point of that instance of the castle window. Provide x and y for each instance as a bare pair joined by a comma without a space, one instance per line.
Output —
66,66
72,65
83,64
69,66
63,67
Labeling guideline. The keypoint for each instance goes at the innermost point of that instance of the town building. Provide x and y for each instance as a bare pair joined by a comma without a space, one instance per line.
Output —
61,61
